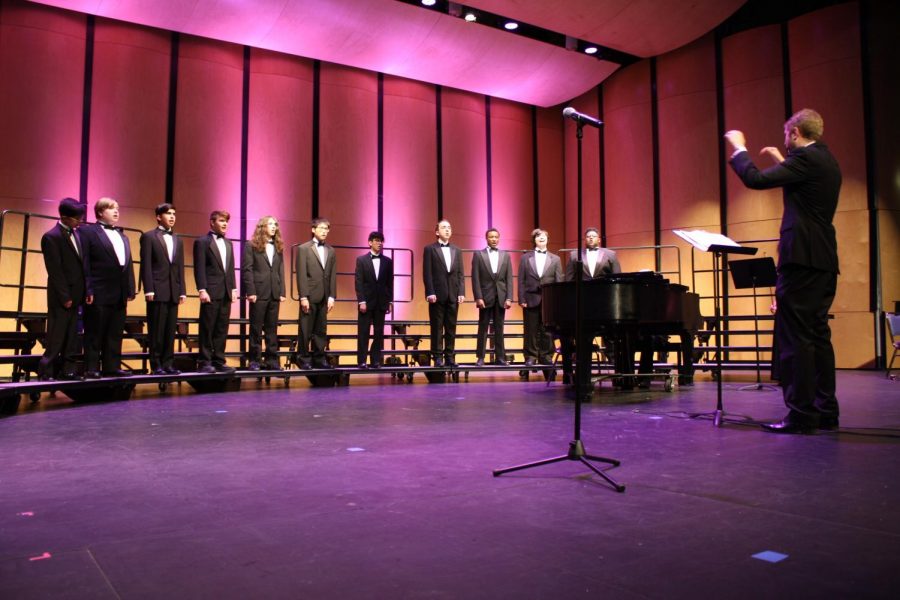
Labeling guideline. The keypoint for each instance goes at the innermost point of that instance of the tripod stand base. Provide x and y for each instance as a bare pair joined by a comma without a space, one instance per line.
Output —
756,387
576,452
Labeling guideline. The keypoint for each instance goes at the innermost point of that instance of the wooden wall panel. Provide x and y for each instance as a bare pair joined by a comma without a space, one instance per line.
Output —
587,103
629,157
551,175
688,162
129,119
512,174
348,167
410,185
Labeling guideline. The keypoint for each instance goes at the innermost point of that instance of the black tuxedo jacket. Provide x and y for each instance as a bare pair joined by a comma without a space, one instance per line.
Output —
258,277
209,272
315,282
529,282
376,293
607,263
105,279
65,270
811,179
493,289
158,275
438,282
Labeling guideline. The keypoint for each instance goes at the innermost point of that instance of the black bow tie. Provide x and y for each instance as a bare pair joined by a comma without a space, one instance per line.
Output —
592,249
445,245
271,242
375,256
166,231
541,251
218,236
68,230
110,227
492,250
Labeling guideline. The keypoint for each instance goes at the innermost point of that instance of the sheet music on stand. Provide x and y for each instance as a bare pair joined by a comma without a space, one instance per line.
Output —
706,241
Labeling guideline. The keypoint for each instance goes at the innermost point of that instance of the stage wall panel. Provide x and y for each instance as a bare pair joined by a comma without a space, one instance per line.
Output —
129,117
410,185
587,103
551,175
42,73
512,175
629,155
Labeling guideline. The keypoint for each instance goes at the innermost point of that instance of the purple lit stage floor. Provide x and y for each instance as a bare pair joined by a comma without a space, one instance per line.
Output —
384,490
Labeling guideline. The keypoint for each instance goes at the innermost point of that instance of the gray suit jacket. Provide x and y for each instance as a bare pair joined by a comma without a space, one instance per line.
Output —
485,284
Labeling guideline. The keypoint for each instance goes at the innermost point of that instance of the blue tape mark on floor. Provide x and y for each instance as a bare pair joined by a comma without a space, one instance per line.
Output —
770,556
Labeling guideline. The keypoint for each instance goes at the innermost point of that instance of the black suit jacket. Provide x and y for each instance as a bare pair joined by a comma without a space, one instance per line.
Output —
258,277
438,282
376,293
607,263
529,282
315,282
209,272
485,284
811,179
65,270
158,275
105,279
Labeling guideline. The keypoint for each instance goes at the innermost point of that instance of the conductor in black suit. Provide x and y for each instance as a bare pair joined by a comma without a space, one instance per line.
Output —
445,289
109,283
597,262
317,282
375,298
537,268
810,179
61,248
262,283
162,275
214,276
492,286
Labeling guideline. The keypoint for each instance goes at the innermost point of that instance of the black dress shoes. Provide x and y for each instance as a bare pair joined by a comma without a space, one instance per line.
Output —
92,374
322,364
479,362
254,366
172,371
375,365
305,365
273,366
70,377
159,371
829,423
362,366
223,369
502,363
439,362
530,362
790,426
45,378
206,369
117,373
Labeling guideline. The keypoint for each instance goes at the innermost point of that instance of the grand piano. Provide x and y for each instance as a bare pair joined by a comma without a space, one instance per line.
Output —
630,311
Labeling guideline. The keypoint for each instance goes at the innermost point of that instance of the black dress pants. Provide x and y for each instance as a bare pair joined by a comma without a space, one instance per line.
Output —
264,323
805,353
214,319
104,326
497,314
161,320
442,316
371,319
314,332
61,343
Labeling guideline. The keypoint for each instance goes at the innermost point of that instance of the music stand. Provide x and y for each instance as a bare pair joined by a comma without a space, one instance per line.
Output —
754,273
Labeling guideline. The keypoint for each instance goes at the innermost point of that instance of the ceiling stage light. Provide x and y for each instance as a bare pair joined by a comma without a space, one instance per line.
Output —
470,17
429,2
590,50
511,25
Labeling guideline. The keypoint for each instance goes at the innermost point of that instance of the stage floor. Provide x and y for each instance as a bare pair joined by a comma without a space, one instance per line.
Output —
385,490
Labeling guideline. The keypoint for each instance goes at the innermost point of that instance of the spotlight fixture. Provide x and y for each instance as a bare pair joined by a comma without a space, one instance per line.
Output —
459,10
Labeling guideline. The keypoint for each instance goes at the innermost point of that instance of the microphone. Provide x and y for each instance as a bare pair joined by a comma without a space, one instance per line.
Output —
580,118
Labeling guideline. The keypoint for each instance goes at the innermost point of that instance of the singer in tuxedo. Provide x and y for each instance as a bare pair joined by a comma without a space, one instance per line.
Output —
262,283
810,179
492,287
445,289
61,248
110,285
162,276
537,268
214,276
375,298
317,282
597,262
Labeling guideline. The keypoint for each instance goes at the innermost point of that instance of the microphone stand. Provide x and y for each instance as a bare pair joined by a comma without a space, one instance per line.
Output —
583,387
